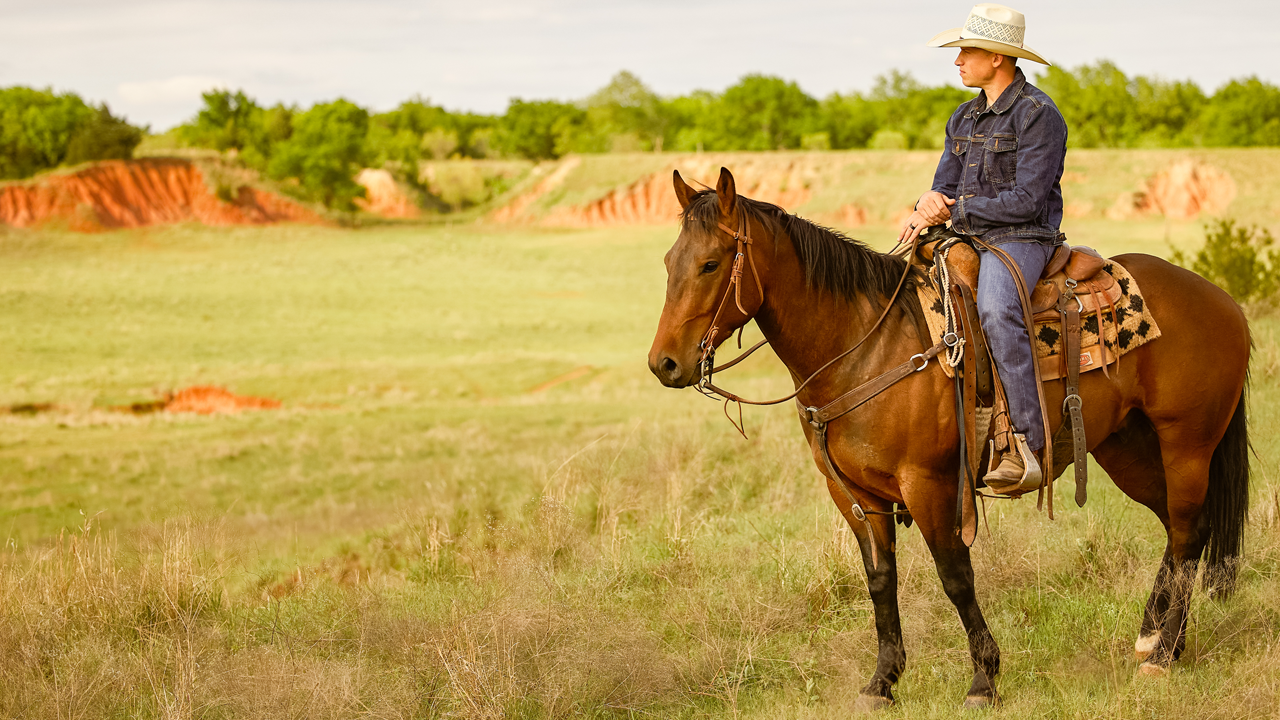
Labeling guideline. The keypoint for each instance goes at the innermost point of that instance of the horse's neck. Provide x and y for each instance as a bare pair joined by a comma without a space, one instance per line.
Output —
807,328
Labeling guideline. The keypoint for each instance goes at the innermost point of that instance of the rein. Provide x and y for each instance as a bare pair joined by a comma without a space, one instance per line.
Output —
817,417
707,344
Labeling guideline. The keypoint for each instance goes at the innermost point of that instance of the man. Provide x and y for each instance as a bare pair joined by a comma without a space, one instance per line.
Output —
998,180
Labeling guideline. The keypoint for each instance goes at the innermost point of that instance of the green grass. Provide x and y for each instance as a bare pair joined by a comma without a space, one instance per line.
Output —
419,534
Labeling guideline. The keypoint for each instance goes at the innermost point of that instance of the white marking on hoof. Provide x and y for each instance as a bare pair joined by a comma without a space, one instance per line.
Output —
870,703
1153,670
1145,646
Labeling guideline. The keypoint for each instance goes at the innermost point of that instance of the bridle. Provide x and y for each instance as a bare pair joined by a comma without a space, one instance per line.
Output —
706,363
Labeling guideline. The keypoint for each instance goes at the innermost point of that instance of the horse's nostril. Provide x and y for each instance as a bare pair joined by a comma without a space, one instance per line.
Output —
670,367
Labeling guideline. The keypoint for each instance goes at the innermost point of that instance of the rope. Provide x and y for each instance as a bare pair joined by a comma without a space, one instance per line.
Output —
955,353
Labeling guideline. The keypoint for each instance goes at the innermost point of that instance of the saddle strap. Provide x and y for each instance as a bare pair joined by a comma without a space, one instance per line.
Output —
855,508
1072,403
860,395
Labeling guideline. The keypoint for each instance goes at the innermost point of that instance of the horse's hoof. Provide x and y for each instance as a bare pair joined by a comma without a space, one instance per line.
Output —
870,703
979,702
1153,670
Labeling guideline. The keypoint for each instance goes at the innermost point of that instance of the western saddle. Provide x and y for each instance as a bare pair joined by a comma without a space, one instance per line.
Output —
1073,285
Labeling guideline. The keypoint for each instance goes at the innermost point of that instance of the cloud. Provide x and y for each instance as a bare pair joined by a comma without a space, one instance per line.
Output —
181,89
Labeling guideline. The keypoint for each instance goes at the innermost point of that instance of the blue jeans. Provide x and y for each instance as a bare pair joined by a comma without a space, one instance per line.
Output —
1001,316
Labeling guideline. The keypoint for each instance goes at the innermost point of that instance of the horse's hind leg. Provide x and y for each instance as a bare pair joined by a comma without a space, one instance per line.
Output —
1165,467
882,583
1186,469
1131,457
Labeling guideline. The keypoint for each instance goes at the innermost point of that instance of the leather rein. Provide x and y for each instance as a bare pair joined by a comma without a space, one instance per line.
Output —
836,408
817,417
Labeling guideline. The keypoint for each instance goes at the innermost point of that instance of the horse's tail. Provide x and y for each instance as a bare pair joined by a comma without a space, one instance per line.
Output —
1226,503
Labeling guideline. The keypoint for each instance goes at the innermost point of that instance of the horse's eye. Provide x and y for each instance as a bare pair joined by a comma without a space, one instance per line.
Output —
710,267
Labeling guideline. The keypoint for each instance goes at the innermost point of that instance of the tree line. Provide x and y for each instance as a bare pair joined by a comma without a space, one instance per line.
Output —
316,150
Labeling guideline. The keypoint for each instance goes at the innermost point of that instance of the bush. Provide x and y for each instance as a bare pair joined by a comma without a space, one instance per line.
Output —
1240,260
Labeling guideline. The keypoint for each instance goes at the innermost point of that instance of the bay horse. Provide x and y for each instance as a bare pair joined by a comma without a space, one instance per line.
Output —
1168,426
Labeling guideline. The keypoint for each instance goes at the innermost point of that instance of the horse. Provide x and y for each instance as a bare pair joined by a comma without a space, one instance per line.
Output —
1168,425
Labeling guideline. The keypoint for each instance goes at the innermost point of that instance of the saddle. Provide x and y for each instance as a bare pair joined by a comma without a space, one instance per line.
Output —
1073,286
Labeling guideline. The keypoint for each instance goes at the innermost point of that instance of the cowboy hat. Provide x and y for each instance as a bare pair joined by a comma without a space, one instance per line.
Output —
992,27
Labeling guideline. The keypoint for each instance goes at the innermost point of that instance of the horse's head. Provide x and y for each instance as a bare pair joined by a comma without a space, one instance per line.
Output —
700,280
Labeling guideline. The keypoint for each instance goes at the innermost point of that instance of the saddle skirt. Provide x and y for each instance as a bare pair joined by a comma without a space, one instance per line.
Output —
1113,314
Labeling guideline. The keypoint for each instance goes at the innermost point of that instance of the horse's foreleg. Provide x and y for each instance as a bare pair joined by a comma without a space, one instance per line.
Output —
882,583
934,512
956,572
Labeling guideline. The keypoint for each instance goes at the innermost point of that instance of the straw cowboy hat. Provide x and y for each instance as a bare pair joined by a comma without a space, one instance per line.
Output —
991,27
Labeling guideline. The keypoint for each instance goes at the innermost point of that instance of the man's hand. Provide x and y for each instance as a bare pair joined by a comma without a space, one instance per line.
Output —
935,207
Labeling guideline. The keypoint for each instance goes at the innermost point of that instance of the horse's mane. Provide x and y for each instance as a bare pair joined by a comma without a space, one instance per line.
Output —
832,261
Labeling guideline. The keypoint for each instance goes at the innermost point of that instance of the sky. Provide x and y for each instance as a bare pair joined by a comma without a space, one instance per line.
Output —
150,60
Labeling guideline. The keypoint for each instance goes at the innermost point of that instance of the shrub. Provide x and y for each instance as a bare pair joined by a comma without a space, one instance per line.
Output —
1240,260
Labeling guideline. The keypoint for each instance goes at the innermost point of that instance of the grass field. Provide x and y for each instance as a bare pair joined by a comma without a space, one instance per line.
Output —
477,503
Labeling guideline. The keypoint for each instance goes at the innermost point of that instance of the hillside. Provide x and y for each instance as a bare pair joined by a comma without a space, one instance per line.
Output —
867,187
151,191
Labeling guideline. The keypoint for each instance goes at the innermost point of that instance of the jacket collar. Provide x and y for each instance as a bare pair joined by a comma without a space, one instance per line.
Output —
1006,99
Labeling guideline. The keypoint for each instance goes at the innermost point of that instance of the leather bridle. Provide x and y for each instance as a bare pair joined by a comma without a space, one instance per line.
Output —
707,365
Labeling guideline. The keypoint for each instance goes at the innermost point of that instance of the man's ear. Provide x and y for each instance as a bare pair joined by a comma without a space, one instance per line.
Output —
727,192
684,193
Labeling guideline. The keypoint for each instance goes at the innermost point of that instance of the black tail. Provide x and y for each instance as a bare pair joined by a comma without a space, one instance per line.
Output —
1226,503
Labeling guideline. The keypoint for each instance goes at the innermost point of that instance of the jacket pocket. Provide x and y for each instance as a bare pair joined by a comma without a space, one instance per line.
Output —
959,146
1001,161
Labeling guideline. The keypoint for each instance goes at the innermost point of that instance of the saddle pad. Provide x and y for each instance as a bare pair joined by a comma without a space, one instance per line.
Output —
1132,327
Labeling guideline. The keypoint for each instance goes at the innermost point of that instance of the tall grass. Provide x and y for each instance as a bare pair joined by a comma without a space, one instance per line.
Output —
416,535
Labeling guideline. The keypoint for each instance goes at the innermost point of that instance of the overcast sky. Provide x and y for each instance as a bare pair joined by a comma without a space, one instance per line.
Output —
150,60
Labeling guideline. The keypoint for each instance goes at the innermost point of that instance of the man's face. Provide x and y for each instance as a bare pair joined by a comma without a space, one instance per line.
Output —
977,66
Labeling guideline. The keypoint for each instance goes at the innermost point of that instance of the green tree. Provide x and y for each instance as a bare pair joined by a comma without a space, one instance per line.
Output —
626,111
234,121
762,113
102,136
539,129
324,152
40,130
1242,113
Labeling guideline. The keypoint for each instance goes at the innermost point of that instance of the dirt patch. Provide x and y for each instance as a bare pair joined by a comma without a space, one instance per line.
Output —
202,400
134,193
1181,192
384,196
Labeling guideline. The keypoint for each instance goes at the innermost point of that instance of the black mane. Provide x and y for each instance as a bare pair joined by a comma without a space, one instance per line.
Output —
832,261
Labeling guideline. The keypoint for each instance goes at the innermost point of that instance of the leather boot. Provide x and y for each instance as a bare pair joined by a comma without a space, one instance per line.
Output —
1018,471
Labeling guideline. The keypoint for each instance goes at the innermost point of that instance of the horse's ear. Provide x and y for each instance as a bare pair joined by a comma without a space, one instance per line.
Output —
727,192
684,193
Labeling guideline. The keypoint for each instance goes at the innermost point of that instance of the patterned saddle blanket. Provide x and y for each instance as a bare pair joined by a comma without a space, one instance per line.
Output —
1129,326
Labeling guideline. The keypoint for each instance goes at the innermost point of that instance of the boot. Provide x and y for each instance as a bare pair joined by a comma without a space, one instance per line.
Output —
1018,471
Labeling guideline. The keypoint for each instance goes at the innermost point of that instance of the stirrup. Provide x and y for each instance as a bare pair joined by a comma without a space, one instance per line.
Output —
1032,476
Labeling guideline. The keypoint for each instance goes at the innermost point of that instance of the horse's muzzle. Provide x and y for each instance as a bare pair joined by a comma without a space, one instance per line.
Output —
670,372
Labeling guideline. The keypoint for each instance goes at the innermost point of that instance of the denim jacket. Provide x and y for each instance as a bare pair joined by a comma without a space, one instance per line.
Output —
1003,165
